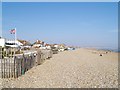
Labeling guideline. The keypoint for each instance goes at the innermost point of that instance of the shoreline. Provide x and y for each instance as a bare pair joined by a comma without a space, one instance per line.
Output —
100,49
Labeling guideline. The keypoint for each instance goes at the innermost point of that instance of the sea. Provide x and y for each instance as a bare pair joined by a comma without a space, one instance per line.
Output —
109,49
106,49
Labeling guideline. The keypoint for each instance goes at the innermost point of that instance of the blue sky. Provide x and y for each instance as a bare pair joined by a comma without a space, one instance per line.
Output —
79,24
0,18
60,0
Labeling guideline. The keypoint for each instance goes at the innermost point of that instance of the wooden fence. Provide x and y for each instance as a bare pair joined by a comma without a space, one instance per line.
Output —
42,55
18,65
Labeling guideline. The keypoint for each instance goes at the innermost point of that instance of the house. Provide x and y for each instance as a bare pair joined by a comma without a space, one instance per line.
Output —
9,43
38,44
26,44
61,47
48,46
2,42
56,45
70,48
13,43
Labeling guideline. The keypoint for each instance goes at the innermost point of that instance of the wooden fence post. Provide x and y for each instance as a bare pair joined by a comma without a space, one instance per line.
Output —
22,65
39,61
14,67
6,68
2,67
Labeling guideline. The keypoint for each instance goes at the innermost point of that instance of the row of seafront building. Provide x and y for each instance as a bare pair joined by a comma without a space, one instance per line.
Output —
10,43
26,44
17,57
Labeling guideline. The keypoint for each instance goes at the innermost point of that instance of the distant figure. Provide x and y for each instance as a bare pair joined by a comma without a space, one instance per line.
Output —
100,54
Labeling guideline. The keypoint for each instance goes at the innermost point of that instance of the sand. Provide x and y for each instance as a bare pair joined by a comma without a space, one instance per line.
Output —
80,68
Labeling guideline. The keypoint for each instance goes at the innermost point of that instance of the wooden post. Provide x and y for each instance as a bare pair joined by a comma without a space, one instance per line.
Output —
20,67
10,67
14,67
11,73
6,68
2,67
39,57
23,65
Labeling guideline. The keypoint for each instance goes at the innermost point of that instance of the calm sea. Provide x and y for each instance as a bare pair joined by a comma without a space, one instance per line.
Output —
109,49
106,48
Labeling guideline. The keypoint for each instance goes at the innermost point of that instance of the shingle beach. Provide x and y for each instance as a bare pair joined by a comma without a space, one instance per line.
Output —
80,68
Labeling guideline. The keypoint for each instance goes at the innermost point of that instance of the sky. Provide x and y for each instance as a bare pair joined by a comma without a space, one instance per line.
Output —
85,24
0,18
60,0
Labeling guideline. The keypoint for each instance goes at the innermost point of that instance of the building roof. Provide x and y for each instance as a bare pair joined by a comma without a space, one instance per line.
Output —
47,44
24,42
38,42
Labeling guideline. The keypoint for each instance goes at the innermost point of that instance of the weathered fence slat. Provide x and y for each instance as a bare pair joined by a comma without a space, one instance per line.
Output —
13,67
4,69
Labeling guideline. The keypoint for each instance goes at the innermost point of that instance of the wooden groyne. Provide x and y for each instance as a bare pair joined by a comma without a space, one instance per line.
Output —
13,67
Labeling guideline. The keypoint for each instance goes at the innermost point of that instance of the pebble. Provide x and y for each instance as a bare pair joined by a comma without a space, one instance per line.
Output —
67,71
